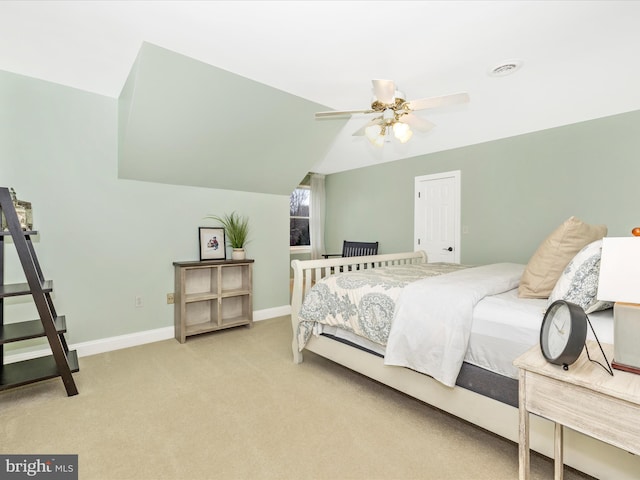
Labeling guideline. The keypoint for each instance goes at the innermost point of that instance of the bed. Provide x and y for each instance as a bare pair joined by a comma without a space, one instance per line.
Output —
502,327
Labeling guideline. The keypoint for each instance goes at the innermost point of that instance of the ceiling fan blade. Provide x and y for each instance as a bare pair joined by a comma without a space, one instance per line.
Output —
417,123
384,90
341,113
361,131
434,102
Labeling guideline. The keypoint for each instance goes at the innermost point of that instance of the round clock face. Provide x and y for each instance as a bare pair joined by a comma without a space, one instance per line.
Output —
559,332
563,333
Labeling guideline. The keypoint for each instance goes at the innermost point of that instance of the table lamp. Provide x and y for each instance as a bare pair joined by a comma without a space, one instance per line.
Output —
619,282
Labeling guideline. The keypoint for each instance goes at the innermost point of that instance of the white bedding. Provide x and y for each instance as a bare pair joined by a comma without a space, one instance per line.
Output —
433,318
504,327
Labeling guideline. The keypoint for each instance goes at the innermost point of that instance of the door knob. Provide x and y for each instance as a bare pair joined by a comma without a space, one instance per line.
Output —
450,249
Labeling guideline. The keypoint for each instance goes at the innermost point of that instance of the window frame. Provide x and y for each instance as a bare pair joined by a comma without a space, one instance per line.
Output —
301,248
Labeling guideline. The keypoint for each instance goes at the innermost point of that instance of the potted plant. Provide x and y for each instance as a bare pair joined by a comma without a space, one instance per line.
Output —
236,229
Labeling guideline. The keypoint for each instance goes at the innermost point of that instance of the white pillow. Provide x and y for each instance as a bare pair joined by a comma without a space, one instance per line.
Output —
579,281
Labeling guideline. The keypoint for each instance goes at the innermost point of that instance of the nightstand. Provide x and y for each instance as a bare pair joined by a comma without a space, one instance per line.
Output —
585,398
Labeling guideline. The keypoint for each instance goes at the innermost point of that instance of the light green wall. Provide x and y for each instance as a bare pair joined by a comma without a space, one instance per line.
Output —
185,122
515,191
103,240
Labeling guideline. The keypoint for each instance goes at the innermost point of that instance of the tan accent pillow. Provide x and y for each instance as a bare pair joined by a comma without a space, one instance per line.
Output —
554,254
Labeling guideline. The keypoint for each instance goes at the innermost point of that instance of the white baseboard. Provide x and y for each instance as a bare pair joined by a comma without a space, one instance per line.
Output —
271,313
102,345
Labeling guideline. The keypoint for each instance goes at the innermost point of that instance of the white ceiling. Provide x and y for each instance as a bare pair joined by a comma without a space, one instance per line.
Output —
580,58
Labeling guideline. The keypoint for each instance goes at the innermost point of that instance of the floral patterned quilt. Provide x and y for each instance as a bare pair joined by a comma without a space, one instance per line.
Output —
362,301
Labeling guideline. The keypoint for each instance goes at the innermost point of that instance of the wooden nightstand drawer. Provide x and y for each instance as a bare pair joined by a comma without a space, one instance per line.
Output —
606,418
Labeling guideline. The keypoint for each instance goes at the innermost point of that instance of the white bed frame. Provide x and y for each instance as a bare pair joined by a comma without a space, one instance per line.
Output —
581,452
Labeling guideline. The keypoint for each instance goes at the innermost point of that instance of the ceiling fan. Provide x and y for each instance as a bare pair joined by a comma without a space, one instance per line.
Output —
396,113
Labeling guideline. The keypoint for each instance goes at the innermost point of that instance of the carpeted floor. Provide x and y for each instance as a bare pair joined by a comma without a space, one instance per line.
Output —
232,405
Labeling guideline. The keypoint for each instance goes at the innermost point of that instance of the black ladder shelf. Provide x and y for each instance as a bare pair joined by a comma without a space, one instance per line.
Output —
62,362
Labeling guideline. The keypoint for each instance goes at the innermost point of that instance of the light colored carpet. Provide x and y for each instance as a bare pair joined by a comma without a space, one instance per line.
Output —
232,405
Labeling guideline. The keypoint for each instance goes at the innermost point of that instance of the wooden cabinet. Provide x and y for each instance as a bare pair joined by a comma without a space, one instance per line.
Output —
212,295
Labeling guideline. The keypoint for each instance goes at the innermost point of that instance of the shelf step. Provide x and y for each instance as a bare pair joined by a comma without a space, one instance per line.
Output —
33,370
16,289
15,332
7,233
206,327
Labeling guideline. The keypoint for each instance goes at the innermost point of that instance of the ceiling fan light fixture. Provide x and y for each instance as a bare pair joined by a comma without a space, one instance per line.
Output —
402,132
376,133
388,115
379,142
396,113
373,132
407,137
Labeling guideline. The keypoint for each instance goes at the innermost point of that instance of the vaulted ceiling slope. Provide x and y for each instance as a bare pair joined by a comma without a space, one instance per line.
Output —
578,63
182,121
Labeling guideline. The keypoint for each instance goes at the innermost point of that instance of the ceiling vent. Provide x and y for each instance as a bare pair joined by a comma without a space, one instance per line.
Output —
505,68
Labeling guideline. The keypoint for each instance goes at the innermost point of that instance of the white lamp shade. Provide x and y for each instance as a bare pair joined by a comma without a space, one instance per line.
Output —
620,270
402,131
379,141
373,132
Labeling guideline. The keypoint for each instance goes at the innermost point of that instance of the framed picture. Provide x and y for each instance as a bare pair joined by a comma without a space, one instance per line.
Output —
212,244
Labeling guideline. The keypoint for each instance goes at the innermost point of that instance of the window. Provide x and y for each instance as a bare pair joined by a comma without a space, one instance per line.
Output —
299,217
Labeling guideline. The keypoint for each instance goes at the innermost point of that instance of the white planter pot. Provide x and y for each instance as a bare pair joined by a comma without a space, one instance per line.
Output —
238,254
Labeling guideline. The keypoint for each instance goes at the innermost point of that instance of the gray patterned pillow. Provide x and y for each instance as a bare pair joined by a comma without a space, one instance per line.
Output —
579,281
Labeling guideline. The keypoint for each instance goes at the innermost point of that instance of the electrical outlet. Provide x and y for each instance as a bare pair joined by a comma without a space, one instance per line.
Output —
170,298
138,302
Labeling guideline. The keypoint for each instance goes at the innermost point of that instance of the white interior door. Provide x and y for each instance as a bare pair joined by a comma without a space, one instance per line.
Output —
437,216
